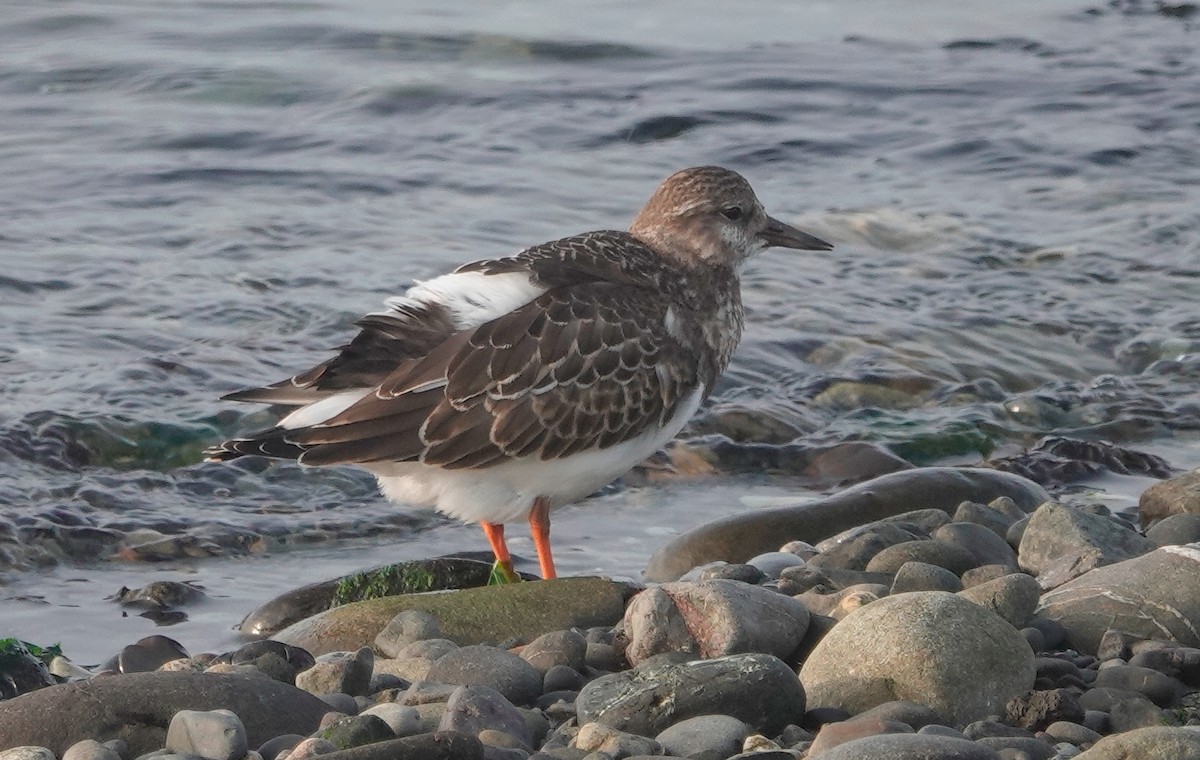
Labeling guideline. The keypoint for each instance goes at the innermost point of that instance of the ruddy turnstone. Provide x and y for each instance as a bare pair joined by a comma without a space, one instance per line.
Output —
513,386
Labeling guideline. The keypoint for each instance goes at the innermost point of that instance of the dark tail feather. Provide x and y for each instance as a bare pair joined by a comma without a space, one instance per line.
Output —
268,443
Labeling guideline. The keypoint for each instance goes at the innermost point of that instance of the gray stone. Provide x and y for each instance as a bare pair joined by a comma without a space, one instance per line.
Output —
982,514
26,753
1157,687
758,689
704,737
1178,495
1175,530
739,537
931,647
472,709
913,714
403,720
1025,747
311,747
855,548
713,619
922,576
90,749
556,648
426,649
1073,733
983,574
339,672
840,732
339,702
139,707
911,747
924,521
479,665
955,559
1158,742
356,731
733,572
1056,531
771,564
212,734
596,737
562,678
981,543
1013,597
274,658
427,746
280,745
407,627
1156,595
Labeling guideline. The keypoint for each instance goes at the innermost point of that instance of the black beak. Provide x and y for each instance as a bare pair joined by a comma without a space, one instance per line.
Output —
787,236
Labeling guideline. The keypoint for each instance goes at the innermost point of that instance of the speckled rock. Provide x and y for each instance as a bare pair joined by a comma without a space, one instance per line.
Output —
1156,595
911,747
931,647
1056,531
404,629
759,689
1013,597
1158,742
26,753
480,665
922,576
596,737
339,673
713,619
1178,495
520,611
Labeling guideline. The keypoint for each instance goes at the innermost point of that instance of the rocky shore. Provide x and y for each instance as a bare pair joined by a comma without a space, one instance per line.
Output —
929,613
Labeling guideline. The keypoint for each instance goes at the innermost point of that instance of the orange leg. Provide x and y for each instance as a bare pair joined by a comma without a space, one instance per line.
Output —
539,528
495,537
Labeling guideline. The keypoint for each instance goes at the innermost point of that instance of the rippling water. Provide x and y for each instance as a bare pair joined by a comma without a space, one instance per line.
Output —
197,196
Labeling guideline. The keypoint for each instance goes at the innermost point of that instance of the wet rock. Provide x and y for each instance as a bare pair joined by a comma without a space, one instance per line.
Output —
713,619
771,564
146,655
495,613
556,648
1159,742
1175,530
211,734
160,595
1056,531
757,689
596,737
931,647
737,572
141,705
21,671
1055,460
417,576
355,731
953,558
406,628
480,665
704,737
1179,495
1156,595
1039,709
740,537
472,709
339,672
1013,597
274,658
911,747
921,576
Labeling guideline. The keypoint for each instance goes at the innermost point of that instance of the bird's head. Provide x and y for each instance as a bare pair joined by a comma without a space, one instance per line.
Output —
710,215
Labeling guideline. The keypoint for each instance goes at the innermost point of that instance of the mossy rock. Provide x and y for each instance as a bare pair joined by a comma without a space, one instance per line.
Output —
519,611
414,577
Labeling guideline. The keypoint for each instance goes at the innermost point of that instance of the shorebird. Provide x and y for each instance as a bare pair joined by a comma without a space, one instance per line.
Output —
515,385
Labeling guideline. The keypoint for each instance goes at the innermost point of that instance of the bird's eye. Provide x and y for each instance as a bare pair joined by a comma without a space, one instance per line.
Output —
733,213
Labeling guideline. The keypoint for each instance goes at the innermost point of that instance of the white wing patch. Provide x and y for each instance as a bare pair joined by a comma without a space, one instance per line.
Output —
472,298
327,408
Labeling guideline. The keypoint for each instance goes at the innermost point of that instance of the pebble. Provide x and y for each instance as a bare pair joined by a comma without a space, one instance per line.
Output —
981,514
567,648
406,628
704,737
595,737
211,734
427,649
729,571
835,734
311,747
472,709
759,689
1013,597
954,558
403,720
480,665
911,746
339,672
713,619
1159,688
1058,533
932,647
90,749
982,544
771,564
355,731
922,576
27,753
273,748
1158,742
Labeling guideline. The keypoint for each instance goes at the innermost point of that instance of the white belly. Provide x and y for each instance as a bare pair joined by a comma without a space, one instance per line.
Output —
505,492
